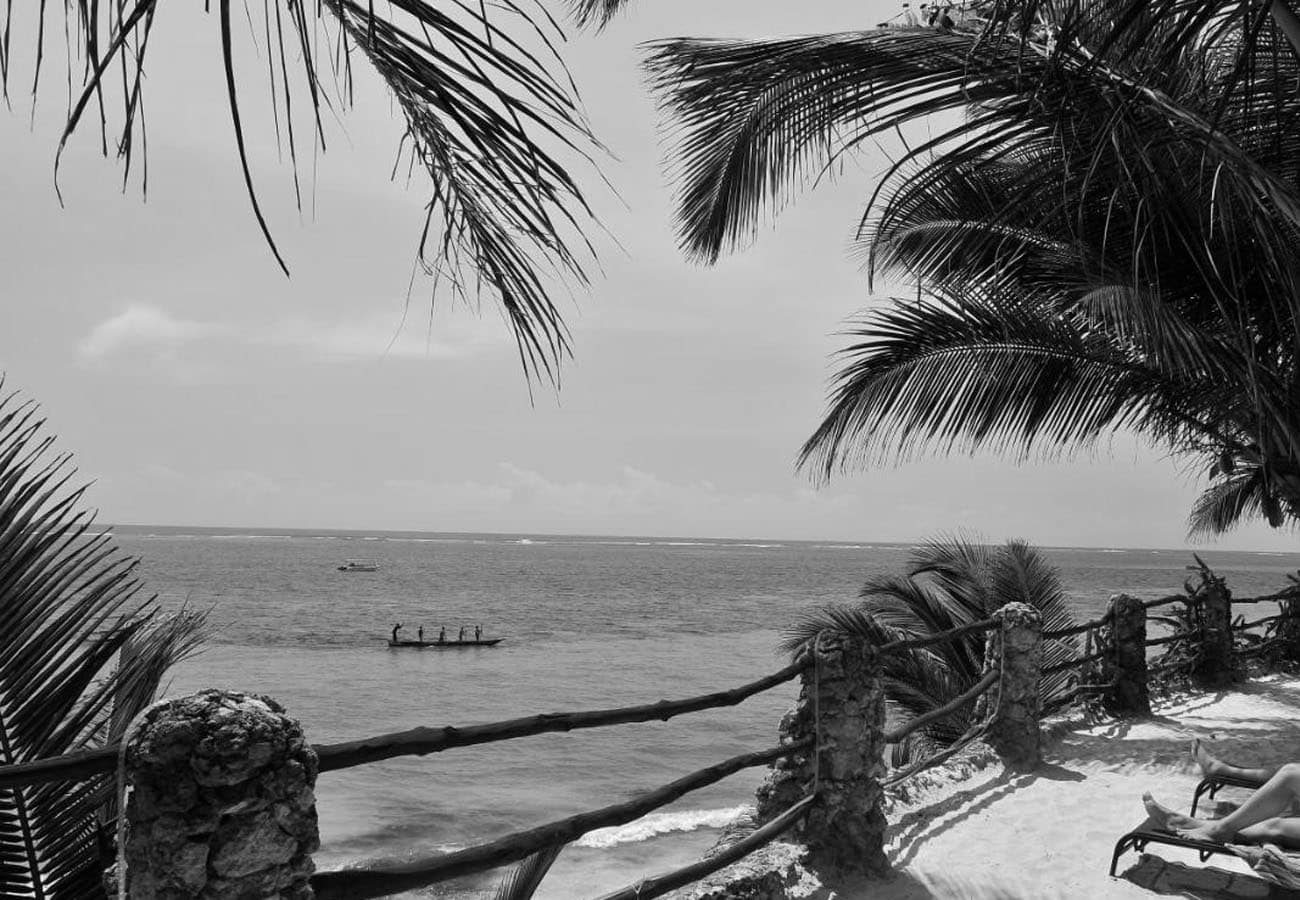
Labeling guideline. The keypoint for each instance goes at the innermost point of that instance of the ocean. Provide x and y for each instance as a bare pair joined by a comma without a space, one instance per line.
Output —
587,623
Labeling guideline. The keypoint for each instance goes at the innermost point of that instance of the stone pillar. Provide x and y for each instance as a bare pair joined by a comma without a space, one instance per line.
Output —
1215,668
1126,664
1016,648
221,801
841,707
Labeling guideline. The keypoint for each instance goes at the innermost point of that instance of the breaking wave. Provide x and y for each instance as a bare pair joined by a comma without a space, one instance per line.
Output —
655,824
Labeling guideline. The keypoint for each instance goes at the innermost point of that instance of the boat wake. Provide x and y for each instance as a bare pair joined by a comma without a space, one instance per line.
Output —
655,824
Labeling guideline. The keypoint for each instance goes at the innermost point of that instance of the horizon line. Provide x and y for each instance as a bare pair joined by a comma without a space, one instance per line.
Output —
253,529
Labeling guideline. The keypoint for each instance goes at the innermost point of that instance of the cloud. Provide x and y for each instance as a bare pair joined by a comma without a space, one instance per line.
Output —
383,334
142,327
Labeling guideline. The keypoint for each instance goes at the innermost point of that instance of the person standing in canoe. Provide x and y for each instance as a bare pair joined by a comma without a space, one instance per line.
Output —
396,628
442,635
461,637
478,632
420,632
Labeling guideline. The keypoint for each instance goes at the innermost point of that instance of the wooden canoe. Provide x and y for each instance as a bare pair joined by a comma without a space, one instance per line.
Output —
445,645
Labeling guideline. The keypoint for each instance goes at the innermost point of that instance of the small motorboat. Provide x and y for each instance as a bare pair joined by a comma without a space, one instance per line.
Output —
359,565
446,645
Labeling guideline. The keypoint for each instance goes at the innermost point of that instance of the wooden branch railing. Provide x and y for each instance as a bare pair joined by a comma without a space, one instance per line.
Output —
1076,661
1166,601
1244,626
422,741
360,883
1073,694
893,737
1171,638
649,888
1291,593
71,767
1075,629
938,637
1261,646
972,734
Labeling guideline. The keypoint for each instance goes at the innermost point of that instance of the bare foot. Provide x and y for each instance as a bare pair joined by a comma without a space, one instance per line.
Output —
1209,764
1181,825
1166,818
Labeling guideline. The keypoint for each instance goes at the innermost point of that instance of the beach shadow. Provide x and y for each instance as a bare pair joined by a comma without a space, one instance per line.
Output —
935,886
1285,693
1053,772
923,824
1174,879
1198,701
1245,741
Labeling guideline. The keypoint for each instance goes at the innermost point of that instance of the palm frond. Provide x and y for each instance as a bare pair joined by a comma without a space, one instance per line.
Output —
524,879
599,12
491,116
80,648
1104,240
1226,502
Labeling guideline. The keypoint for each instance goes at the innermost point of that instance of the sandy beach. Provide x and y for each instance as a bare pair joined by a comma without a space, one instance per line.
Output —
973,831
1051,833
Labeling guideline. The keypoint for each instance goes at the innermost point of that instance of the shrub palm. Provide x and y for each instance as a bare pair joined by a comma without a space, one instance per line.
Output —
948,582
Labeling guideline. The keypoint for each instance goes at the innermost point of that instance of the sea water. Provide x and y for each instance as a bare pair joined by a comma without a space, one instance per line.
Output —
587,623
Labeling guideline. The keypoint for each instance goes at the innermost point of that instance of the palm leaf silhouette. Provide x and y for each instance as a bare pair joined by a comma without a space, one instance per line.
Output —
491,116
1099,220
81,653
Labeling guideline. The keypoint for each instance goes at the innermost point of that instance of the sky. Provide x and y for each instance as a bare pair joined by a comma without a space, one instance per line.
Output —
197,385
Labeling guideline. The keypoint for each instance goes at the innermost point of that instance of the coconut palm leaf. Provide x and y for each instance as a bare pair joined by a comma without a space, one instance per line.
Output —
81,652
600,12
1101,228
490,115
1223,503
949,581
524,879
756,118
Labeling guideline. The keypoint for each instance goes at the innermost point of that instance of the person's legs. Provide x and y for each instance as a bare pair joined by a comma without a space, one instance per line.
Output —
1212,765
1281,830
1266,803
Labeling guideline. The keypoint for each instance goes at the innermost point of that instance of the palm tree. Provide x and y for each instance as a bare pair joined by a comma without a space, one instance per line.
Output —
490,113
949,582
1101,234
81,654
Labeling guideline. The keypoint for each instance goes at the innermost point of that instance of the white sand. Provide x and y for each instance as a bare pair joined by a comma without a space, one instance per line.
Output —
971,832
1050,834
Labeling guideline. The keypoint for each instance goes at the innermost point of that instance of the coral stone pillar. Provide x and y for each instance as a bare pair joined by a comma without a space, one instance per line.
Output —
1126,664
1016,649
221,800
1216,667
841,707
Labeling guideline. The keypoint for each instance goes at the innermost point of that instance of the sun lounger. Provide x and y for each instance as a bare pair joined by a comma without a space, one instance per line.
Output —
1138,838
1210,785
1272,863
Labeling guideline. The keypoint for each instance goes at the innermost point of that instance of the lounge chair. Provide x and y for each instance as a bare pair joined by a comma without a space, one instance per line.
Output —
1211,783
1268,861
1144,834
